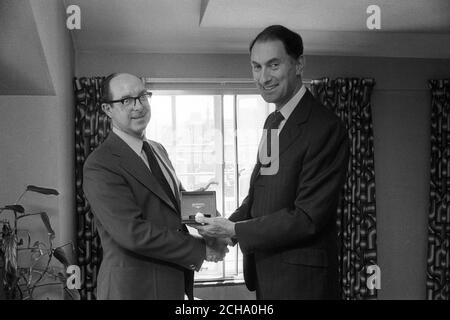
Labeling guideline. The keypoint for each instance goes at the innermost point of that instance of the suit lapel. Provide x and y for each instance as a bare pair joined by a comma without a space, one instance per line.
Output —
300,115
290,131
255,173
168,167
134,165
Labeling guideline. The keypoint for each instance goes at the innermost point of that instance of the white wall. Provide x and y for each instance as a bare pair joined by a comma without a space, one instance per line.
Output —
163,65
37,133
50,18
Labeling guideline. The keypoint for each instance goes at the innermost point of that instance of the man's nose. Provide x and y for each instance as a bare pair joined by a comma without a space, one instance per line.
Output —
138,105
265,76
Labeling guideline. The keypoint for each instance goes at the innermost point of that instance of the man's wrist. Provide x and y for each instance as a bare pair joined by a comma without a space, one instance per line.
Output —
233,230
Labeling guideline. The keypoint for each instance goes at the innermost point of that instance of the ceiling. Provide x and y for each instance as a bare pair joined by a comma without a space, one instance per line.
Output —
409,28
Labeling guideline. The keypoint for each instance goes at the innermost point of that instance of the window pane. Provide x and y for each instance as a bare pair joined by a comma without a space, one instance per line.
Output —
190,128
161,128
230,184
196,152
252,111
229,155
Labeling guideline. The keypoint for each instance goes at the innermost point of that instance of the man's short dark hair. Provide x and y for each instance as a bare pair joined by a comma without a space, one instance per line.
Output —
106,88
291,40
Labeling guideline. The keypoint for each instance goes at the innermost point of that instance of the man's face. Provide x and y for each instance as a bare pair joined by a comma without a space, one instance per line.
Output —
277,75
131,118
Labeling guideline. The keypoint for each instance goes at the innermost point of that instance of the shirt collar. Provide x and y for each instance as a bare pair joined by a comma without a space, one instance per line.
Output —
134,143
289,107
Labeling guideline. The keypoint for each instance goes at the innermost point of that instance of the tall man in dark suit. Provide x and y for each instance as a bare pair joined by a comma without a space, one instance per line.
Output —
286,226
134,195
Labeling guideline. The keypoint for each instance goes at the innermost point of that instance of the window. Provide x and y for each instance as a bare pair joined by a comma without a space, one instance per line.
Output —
197,127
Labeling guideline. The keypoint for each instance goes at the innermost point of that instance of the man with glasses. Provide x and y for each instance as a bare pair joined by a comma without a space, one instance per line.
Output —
134,193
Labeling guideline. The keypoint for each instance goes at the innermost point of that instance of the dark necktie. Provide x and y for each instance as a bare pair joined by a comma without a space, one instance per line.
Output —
273,123
157,172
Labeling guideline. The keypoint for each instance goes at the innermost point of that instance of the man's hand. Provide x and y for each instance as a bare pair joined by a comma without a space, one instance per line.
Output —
217,227
216,249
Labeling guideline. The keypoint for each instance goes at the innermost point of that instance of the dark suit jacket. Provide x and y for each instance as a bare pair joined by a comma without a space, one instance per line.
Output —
147,252
287,223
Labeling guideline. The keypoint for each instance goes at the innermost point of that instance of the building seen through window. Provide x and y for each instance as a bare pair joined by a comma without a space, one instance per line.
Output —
212,138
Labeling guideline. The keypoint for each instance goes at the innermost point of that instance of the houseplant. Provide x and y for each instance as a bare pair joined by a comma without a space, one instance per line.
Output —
46,265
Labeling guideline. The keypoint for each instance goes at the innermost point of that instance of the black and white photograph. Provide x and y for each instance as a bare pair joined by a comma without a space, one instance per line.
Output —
224,155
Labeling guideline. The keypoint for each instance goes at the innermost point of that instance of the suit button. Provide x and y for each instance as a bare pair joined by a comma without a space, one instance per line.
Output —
192,267
179,230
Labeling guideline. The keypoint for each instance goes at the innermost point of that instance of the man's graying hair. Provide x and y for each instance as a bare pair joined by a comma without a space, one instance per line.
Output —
291,40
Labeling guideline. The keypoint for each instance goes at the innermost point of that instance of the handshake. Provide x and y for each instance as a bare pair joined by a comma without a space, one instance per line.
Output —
216,248
217,233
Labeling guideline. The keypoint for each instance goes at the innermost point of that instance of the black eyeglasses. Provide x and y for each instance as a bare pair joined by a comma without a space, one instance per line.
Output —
131,101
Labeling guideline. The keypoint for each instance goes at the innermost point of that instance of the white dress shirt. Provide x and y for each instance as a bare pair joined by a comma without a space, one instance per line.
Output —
136,145
289,107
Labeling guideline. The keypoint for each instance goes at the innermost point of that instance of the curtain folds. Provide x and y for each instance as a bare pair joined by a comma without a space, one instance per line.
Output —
438,263
91,128
349,98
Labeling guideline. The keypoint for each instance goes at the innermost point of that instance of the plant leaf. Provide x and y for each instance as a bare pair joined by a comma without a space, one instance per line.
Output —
15,207
9,251
36,248
62,277
47,224
42,190
60,255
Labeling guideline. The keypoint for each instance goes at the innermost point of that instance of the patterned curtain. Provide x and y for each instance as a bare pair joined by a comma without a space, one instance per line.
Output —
349,98
438,264
91,128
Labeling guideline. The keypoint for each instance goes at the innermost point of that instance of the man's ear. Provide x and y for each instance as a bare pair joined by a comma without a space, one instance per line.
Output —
106,107
300,65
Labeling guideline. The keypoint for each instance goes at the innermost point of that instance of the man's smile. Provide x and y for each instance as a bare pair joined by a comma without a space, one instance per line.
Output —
139,116
267,88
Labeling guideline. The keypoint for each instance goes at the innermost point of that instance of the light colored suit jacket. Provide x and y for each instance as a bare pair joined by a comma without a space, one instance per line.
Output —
147,252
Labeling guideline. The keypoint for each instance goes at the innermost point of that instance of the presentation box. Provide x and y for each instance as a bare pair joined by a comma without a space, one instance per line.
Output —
193,202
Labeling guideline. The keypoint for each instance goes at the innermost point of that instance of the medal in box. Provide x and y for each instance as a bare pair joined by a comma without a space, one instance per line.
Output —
197,202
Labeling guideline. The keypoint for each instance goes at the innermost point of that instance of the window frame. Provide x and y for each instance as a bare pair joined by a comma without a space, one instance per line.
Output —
214,86
221,87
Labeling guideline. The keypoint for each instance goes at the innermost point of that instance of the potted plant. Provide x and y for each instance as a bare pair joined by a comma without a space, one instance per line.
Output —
20,281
